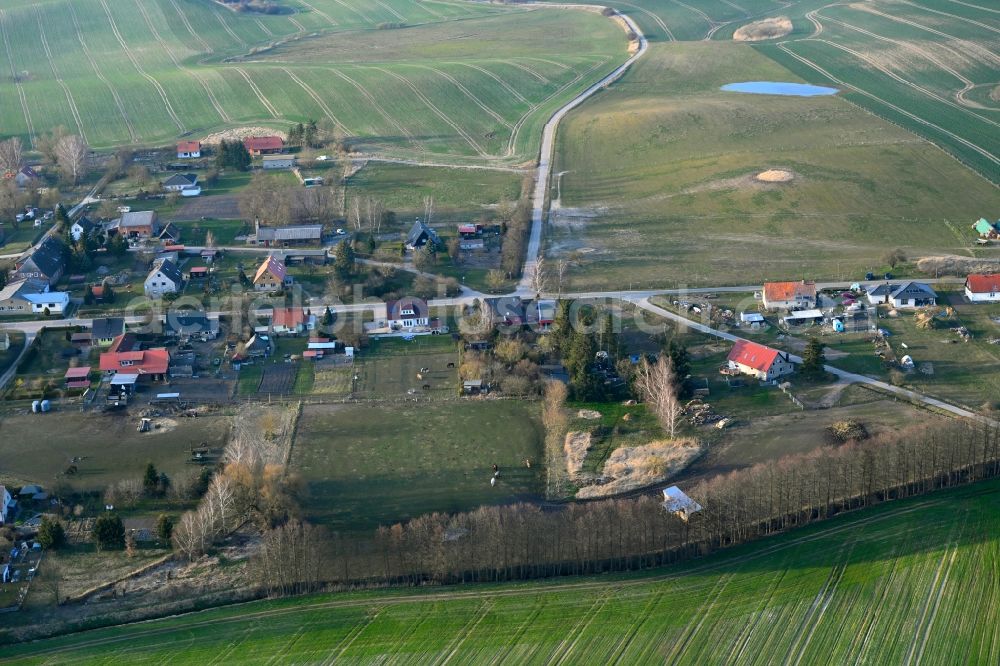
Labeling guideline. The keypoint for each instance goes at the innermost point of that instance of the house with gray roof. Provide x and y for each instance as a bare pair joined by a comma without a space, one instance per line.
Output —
46,262
103,331
138,224
301,234
165,278
420,234
180,181
905,295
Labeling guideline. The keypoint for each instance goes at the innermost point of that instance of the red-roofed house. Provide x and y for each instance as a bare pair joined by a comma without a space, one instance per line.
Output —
120,357
290,321
270,276
983,288
263,145
188,149
790,295
764,363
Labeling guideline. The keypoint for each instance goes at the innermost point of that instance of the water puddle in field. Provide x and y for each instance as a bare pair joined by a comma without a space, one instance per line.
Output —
779,88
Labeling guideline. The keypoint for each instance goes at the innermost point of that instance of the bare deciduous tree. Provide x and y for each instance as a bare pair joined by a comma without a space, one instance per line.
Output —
11,155
264,199
428,209
71,156
656,383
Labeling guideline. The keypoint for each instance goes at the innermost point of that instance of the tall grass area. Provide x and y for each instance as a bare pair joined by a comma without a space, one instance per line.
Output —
911,581
660,189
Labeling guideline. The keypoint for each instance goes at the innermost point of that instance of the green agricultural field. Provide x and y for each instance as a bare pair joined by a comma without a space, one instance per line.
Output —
912,581
660,188
375,465
462,80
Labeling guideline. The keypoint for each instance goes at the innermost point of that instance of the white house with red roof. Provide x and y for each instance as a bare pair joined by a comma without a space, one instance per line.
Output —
188,149
271,275
123,356
292,321
983,287
789,295
764,363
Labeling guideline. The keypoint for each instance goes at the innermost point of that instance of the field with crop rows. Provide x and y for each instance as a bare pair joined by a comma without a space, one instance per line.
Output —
453,79
910,582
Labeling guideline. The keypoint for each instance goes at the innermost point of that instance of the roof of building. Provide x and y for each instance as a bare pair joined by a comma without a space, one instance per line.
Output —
142,362
509,309
139,218
28,172
48,257
60,298
984,226
468,228
126,342
913,290
805,314
278,158
169,270
270,266
124,379
86,224
188,146
418,230
171,232
181,180
77,373
107,327
751,317
186,322
676,500
983,283
263,143
394,309
297,232
753,355
288,317
198,270
787,291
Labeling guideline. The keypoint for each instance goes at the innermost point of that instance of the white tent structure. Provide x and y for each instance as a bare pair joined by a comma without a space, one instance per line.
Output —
679,504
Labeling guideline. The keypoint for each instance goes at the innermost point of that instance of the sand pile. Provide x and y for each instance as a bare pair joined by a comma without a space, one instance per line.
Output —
629,468
775,176
769,28
575,447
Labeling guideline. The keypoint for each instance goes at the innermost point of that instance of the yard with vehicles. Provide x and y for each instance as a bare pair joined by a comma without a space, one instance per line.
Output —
102,447
664,164
365,465
883,584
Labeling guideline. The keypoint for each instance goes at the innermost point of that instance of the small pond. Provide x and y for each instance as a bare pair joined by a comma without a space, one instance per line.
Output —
779,88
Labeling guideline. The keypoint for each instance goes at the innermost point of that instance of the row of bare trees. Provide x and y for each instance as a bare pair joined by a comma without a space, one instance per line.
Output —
658,385
526,540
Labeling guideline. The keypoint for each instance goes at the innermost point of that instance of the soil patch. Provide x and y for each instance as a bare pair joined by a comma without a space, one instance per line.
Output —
775,176
769,28
951,264
219,207
240,133
629,468
575,447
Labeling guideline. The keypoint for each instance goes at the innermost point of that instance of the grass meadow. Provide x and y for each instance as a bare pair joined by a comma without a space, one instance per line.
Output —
455,79
911,581
659,188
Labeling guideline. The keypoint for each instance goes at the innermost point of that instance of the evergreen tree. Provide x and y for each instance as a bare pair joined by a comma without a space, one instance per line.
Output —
328,317
681,360
51,533
343,260
118,246
311,134
109,532
151,480
164,527
813,359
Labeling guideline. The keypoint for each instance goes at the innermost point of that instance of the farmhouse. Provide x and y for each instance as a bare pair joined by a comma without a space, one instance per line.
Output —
986,229
263,145
407,313
764,363
271,276
906,295
303,234
677,502
983,288
188,149
789,295
103,331
278,161
46,262
137,224
420,234
82,228
181,181
291,321
124,356
165,278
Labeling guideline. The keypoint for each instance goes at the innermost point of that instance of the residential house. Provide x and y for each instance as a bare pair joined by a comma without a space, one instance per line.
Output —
904,295
26,177
125,357
188,150
138,224
789,295
983,288
32,297
407,313
986,229
271,276
258,346
263,145
420,234
278,161
170,234
103,331
187,323
83,228
764,363
542,314
292,321
507,311
164,278
301,234
180,181
5,504
46,262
